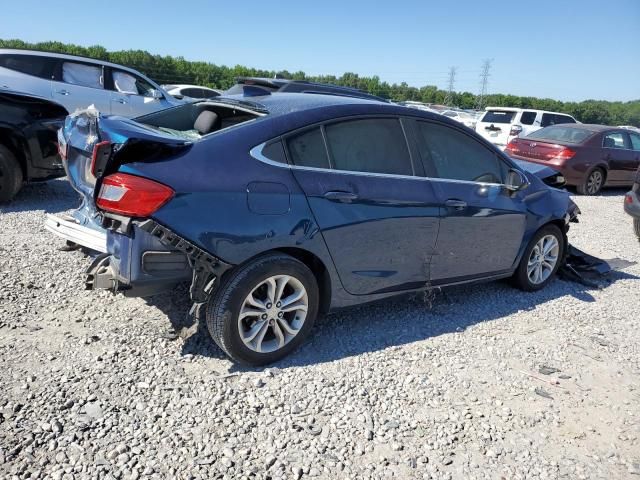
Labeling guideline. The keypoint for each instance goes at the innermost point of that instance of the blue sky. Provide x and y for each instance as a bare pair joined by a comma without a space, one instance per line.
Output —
568,50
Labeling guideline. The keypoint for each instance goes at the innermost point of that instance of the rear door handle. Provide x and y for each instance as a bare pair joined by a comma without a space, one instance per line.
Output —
120,100
457,204
63,92
340,196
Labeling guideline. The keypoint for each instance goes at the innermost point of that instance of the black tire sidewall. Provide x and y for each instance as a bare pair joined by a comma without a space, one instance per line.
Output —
521,277
225,307
636,226
11,177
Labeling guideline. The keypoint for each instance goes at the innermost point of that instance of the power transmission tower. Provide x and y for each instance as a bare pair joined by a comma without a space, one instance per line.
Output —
484,83
448,100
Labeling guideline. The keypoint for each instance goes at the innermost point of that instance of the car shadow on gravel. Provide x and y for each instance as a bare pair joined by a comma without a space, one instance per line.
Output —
53,196
391,323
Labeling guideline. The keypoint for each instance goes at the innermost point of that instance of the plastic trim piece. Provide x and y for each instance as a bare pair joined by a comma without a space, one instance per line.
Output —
206,268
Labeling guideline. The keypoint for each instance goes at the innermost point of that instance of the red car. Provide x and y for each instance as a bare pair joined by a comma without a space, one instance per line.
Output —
588,156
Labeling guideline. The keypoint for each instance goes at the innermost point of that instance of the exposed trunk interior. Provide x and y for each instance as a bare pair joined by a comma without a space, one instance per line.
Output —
194,120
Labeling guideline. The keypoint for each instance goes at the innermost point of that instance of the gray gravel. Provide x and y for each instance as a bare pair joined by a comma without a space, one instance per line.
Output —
101,386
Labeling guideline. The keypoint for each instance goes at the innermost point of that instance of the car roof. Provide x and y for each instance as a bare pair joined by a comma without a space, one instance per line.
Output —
280,103
64,56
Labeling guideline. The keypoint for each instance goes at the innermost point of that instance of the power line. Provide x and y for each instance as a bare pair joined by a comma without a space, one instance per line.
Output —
448,100
484,82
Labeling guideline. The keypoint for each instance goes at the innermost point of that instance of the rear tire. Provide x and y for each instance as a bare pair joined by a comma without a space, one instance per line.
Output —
11,177
593,182
263,310
541,259
636,227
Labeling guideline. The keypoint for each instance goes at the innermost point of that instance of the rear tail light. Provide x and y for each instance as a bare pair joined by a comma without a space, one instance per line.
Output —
515,130
132,196
564,154
101,153
512,148
628,199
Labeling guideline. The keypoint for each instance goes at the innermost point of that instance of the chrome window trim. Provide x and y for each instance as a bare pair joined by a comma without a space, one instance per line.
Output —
256,153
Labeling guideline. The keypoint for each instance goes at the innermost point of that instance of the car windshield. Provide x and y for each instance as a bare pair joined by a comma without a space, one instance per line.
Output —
561,134
498,116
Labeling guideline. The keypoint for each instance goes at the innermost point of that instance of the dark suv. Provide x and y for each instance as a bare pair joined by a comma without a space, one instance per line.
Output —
282,85
282,206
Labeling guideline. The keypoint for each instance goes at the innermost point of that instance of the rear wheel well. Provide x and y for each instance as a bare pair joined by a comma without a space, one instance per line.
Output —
13,143
319,271
314,264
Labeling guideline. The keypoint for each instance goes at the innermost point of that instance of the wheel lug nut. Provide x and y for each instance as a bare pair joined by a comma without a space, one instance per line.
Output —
278,304
264,316
280,314
269,305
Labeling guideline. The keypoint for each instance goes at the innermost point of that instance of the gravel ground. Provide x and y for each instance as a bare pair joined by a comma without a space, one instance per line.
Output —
100,386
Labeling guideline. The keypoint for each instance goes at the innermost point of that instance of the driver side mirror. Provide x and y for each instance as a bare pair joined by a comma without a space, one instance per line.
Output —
156,94
516,180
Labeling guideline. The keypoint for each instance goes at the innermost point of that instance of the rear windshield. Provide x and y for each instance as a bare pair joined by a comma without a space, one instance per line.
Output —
561,134
498,116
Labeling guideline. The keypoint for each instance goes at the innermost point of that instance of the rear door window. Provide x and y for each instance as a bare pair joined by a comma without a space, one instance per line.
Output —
193,92
35,65
528,118
564,119
498,116
372,145
82,74
614,140
450,154
307,149
125,82
635,141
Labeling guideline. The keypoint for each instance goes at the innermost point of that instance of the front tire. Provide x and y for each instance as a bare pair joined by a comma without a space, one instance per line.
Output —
592,183
541,259
263,310
11,177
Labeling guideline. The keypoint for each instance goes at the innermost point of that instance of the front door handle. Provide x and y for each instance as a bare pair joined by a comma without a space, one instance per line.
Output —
340,196
457,204
63,92
121,100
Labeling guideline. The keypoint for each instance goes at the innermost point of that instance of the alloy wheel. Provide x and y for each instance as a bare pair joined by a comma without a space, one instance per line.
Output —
543,259
273,313
594,182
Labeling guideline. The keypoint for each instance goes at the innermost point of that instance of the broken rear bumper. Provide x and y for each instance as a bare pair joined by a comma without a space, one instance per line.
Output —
71,230
148,259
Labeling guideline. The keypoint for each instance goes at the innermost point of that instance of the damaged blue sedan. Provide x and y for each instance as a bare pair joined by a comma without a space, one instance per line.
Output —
278,207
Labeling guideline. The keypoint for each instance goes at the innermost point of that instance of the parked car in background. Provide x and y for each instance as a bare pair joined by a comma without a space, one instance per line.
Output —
191,91
501,124
418,106
28,148
462,117
588,156
632,203
78,82
282,85
297,216
630,127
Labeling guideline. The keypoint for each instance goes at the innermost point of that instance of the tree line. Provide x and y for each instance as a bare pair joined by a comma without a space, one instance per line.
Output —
166,69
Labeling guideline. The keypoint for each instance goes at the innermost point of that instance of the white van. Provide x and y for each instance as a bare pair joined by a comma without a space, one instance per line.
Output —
500,125
77,82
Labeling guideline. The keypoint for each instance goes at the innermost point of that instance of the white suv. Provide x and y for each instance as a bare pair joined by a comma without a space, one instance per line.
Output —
500,125
77,82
